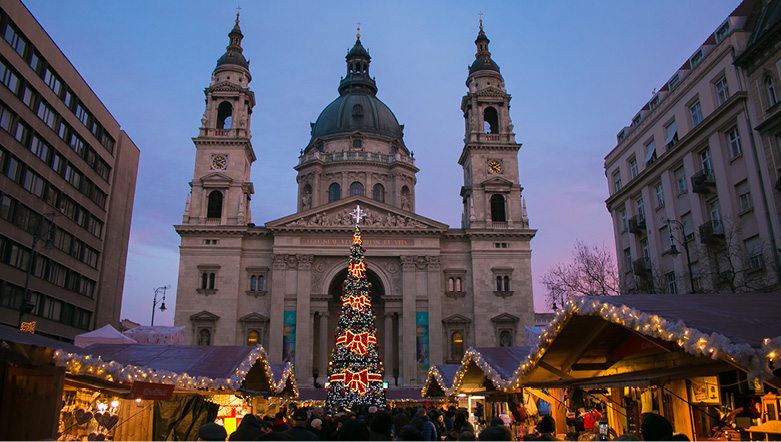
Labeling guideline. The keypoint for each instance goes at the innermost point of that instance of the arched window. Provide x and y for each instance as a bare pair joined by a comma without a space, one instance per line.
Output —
252,338
499,283
458,284
253,283
378,193
224,112
490,121
334,192
497,208
457,345
204,281
506,283
214,205
770,86
505,338
357,143
211,281
357,110
451,284
356,188
260,283
204,337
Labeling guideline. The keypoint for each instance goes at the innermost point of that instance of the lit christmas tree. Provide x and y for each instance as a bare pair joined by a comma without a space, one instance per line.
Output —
355,371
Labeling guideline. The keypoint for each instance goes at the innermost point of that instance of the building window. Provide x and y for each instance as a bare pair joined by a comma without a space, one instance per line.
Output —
696,59
204,337
214,205
490,121
715,213
695,111
636,120
334,192
505,338
640,208
705,160
256,283
9,79
650,153
51,80
503,283
675,81
672,134
770,87
356,188
734,143
207,281
653,103
756,259
664,237
378,193
680,180
502,279
224,113
627,260
672,288
644,248
723,31
457,345
688,227
621,135
617,181
659,195
15,40
623,220
722,91
252,338
46,114
744,196
497,208
632,167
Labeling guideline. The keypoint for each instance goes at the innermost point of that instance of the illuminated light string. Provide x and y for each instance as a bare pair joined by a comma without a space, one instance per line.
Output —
756,361
78,364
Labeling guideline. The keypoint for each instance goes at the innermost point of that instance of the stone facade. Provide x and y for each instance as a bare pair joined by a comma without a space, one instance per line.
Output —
436,290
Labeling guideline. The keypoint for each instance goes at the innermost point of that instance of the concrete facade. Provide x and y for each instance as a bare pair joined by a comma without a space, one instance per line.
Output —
240,282
692,204
64,159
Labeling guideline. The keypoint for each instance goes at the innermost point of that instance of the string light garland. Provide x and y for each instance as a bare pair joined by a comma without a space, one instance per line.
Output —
434,375
96,366
756,361
355,370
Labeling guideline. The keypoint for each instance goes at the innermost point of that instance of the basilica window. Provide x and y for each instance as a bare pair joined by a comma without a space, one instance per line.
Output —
502,279
457,345
378,193
224,113
253,328
456,335
207,283
490,121
334,192
214,205
204,336
497,208
257,284
454,282
356,188
357,110
252,338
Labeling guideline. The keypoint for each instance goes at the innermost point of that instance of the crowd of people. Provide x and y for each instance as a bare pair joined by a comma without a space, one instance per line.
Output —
400,424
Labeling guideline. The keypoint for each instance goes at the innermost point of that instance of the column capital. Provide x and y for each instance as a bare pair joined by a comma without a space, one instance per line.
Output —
433,263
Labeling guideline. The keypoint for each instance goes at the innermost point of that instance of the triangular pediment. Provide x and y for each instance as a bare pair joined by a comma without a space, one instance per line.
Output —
204,316
379,216
497,182
490,91
253,317
226,86
505,318
216,177
456,319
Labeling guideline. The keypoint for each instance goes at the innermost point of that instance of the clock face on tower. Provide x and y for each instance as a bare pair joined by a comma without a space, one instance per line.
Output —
494,167
219,162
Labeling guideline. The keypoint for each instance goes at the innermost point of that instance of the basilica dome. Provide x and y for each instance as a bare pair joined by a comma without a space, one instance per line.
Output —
357,108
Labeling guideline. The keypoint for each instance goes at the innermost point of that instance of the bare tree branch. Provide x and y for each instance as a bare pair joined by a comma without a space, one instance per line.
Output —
591,271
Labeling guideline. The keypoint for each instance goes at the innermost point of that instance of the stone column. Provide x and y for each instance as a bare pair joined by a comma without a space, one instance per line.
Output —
304,337
408,341
277,298
388,358
435,293
324,350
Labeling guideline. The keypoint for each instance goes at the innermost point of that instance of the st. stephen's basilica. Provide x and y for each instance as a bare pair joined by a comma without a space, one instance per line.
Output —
436,290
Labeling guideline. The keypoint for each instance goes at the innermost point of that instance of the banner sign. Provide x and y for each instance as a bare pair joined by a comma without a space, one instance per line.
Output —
421,337
151,391
289,337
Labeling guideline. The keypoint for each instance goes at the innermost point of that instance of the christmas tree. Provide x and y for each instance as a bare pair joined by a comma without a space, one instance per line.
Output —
355,371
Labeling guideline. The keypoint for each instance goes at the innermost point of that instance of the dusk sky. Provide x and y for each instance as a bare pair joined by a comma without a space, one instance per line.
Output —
578,71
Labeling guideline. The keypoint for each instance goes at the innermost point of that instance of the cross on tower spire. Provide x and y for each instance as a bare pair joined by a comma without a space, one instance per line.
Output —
238,9
358,34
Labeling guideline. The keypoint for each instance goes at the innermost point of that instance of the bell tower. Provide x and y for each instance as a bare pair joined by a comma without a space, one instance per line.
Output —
221,187
492,192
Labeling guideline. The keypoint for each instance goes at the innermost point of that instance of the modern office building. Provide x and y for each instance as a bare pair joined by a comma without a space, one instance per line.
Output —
67,181
436,291
691,186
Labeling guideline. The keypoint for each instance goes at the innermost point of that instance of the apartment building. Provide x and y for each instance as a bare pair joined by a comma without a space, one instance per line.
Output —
691,191
67,182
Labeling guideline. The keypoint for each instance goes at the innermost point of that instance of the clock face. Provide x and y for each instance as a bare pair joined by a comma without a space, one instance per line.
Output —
219,162
494,167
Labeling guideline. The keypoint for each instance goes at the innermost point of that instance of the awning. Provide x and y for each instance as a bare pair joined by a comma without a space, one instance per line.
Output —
672,131
637,379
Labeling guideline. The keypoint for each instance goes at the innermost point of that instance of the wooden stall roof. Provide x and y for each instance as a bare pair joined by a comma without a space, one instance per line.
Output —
189,367
26,348
484,369
594,337
439,380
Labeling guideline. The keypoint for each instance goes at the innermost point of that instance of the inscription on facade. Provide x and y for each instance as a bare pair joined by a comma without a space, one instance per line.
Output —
348,242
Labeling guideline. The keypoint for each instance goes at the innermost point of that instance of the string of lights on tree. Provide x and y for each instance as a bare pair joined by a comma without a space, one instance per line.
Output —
756,361
355,371
96,366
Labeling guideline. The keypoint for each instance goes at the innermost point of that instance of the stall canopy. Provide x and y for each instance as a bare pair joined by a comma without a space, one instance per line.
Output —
188,368
156,334
482,369
104,335
632,338
439,380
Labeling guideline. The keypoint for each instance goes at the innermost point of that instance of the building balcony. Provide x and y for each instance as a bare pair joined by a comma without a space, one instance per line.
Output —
703,182
498,225
354,156
637,225
642,266
712,232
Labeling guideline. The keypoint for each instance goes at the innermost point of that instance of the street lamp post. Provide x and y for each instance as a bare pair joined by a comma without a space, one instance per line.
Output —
674,250
162,301
27,305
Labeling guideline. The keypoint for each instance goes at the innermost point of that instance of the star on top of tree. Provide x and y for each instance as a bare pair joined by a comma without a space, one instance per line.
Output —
358,214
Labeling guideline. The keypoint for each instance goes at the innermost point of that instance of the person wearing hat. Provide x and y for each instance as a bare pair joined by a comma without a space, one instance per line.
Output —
656,427
212,431
299,431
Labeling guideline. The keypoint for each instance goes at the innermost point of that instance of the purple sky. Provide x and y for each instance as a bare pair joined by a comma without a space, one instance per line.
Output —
578,72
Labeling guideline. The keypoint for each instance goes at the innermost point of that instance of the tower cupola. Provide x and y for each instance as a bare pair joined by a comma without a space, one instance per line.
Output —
233,52
358,78
483,59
